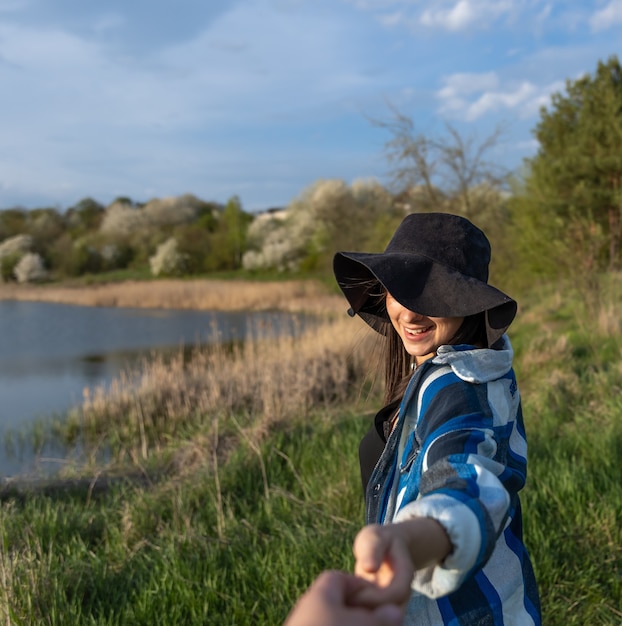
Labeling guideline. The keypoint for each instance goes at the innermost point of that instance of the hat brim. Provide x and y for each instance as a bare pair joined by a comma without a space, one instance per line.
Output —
422,285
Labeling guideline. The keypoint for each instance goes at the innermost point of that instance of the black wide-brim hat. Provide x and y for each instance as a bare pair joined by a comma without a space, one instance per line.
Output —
436,264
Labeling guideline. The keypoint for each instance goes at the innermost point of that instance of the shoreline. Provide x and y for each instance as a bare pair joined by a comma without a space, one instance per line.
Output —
296,296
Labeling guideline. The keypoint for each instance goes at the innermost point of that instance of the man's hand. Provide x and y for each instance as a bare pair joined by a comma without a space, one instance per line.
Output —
332,601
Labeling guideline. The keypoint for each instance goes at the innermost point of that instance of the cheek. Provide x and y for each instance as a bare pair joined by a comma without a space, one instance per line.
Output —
453,328
394,322
392,311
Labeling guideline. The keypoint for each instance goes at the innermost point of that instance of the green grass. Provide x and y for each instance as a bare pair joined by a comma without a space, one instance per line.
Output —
236,546
236,541
571,373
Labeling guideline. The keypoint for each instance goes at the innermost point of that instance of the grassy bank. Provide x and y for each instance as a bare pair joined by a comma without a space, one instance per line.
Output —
250,483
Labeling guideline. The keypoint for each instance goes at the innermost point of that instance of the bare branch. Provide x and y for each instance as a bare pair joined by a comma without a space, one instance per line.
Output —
448,170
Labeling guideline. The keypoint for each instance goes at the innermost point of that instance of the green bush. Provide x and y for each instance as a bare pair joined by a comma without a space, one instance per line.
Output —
7,266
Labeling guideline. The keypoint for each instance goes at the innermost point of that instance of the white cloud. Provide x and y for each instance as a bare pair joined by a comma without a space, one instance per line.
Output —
458,86
471,96
249,55
542,98
81,115
532,17
255,95
466,14
466,83
455,18
607,17
491,102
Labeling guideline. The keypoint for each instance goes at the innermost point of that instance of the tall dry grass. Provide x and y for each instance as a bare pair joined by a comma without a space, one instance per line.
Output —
199,294
221,393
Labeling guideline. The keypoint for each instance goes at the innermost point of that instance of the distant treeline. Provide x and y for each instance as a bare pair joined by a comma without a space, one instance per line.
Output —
562,217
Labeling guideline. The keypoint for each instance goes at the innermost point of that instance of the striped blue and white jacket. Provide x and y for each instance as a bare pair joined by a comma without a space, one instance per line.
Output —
458,454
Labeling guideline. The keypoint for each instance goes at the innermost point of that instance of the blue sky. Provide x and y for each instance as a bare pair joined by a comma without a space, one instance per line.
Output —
260,98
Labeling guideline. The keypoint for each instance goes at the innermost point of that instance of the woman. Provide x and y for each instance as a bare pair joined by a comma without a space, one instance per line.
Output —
446,459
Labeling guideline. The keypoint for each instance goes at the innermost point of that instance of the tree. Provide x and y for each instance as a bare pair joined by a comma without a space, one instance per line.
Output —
234,227
569,208
326,216
171,211
30,269
120,220
45,226
445,172
168,261
86,215
453,173
270,244
13,222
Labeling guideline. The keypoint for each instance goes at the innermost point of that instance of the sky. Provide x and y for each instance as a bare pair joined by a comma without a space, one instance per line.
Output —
261,98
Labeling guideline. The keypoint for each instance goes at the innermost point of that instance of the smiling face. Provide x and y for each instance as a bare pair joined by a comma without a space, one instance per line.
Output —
421,335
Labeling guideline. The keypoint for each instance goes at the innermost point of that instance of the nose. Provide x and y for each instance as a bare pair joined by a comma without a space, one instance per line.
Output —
412,316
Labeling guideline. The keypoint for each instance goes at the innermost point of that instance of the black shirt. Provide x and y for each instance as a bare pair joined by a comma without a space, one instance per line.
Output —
373,442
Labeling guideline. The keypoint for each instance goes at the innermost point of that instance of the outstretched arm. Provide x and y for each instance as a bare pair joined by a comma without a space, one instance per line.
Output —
388,555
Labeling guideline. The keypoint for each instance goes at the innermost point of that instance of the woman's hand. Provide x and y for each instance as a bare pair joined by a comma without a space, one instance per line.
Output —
331,601
388,556
383,558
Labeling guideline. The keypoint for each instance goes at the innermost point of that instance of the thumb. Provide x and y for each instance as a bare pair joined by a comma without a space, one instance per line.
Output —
369,549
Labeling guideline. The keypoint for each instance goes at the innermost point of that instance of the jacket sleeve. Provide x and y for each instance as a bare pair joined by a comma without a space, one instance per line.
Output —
463,465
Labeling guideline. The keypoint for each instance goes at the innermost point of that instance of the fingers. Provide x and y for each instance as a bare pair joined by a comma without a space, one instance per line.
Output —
333,585
322,603
382,558
331,601
369,548
351,587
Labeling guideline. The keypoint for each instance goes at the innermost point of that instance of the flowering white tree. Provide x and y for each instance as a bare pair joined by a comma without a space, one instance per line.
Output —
271,244
372,196
327,216
168,260
171,211
122,218
15,245
277,252
30,269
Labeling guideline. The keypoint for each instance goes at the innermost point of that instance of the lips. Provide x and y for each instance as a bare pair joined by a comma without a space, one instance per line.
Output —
417,332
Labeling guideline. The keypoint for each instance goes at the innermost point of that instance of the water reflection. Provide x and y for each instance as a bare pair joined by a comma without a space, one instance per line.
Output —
50,353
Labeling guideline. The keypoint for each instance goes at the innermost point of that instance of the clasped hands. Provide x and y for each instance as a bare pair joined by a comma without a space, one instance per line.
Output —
376,595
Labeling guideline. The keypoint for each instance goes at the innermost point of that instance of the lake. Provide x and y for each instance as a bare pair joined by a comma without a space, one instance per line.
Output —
49,353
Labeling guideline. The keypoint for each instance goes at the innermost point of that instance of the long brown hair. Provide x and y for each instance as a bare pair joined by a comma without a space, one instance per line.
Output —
393,360
397,362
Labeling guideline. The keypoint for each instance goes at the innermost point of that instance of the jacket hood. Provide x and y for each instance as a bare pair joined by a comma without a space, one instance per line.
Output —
477,365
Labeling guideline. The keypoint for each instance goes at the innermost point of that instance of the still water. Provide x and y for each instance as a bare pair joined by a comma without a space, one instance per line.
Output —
49,353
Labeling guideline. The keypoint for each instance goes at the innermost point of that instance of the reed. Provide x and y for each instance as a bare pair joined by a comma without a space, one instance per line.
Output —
251,387
215,295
